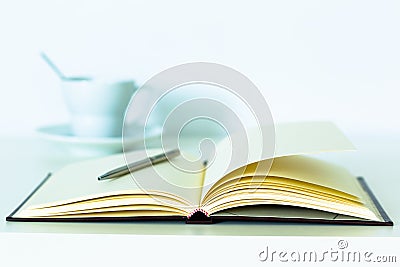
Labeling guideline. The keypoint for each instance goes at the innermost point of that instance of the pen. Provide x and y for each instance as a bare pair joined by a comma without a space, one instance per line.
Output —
138,165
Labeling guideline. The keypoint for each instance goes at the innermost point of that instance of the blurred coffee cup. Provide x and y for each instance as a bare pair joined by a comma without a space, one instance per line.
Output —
97,106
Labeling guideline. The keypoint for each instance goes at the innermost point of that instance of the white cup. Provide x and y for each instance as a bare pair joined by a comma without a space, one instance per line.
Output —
97,106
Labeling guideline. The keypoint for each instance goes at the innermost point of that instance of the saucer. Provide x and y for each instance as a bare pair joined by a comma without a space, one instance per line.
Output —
61,136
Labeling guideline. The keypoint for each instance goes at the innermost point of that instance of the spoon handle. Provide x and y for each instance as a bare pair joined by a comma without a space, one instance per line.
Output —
53,66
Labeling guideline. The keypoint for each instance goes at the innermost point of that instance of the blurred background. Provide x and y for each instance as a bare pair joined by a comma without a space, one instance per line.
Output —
325,60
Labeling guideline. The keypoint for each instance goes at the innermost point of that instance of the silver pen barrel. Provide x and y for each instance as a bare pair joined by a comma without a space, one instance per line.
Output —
120,171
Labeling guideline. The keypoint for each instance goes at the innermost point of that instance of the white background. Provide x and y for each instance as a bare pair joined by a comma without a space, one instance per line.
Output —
129,250
335,60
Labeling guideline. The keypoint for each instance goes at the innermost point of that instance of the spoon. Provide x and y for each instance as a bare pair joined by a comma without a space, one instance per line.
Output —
59,73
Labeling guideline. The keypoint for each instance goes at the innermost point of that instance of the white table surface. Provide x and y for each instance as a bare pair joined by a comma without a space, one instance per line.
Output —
25,161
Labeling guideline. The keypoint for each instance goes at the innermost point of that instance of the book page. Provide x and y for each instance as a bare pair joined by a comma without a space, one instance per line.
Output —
290,139
305,169
79,182
317,172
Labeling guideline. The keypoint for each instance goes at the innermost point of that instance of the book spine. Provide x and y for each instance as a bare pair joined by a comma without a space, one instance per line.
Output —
198,215
198,210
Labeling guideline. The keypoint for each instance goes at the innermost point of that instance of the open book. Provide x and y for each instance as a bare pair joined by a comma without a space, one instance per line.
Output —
295,188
